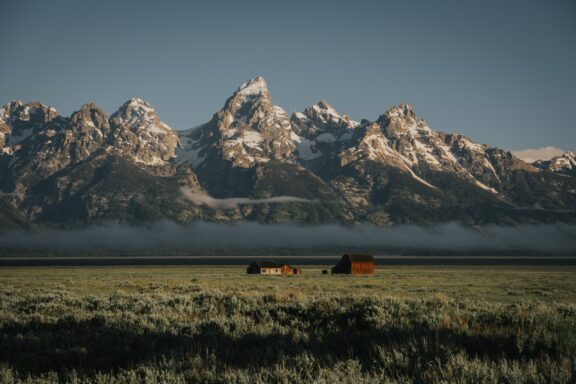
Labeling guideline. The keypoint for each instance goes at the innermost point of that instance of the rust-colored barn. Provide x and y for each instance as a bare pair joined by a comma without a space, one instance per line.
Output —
355,265
262,267
287,269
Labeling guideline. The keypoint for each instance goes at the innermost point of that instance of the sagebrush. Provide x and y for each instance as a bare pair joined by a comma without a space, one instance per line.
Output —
198,334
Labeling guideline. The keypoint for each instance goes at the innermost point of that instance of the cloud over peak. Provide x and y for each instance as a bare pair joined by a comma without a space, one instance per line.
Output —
533,154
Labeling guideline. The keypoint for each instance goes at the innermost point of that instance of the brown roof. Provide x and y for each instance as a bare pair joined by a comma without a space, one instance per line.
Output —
267,264
361,258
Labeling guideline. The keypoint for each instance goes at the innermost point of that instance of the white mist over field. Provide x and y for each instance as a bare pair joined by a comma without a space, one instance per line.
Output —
553,238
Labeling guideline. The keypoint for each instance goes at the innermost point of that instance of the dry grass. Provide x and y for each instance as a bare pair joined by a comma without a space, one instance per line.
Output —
219,325
501,284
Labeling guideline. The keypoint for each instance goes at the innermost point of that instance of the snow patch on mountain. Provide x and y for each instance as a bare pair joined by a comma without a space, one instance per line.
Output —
306,149
325,138
191,148
485,187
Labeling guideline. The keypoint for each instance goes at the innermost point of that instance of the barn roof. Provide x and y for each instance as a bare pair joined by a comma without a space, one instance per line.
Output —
360,258
267,264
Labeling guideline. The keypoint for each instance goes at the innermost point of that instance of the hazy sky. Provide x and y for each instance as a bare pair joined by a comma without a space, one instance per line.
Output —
501,72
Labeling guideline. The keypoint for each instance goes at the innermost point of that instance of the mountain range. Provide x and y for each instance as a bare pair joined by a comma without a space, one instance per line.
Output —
254,162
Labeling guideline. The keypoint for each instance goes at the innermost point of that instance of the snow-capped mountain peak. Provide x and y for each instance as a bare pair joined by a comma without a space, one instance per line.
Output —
321,130
426,150
19,121
251,128
392,170
139,115
253,87
323,107
248,130
327,114
322,118
139,131
564,164
400,120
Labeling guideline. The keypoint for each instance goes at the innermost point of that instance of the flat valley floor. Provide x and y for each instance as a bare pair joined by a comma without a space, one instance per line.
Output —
503,284
181,324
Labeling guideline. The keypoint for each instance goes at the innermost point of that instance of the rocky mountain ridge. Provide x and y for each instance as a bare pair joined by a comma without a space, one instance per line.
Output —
564,164
132,167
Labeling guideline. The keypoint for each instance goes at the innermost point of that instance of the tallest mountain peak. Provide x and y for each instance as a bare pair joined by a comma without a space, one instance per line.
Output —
137,101
251,128
253,87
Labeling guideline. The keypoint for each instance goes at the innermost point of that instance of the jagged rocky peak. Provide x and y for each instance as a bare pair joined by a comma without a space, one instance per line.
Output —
327,112
139,132
566,158
7,109
56,144
20,121
412,138
253,87
137,114
18,111
319,118
6,112
400,120
321,131
5,121
401,111
91,120
371,144
323,112
424,150
563,164
74,139
249,99
252,129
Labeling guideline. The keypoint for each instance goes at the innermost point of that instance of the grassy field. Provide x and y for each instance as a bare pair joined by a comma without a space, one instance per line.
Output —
217,324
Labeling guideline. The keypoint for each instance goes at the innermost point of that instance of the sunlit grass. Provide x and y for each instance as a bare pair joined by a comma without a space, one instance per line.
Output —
503,284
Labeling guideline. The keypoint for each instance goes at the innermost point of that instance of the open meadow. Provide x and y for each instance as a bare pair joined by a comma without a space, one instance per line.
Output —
217,325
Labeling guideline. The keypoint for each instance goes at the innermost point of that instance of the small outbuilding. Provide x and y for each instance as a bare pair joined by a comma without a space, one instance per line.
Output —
262,267
295,271
355,265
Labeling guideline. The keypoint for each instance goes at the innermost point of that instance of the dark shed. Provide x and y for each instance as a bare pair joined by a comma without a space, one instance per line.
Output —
355,264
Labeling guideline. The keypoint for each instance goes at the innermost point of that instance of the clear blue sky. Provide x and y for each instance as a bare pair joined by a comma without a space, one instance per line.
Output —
501,72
